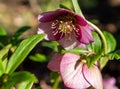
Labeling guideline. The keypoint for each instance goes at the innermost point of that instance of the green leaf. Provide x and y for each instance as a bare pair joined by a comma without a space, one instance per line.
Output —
77,51
53,45
114,55
2,32
1,67
111,42
22,76
111,45
67,4
22,51
20,31
19,77
77,7
95,48
25,85
65,7
109,56
4,51
3,58
103,61
39,58
92,59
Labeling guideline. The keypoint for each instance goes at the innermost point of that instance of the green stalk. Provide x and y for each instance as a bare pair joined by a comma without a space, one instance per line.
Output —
56,84
77,8
101,34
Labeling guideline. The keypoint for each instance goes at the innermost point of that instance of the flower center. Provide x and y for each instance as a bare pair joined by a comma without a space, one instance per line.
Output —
64,25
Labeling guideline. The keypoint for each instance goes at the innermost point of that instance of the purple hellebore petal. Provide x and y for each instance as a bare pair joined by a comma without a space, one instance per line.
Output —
48,16
47,29
70,44
54,64
81,21
86,34
82,46
51,15
63,24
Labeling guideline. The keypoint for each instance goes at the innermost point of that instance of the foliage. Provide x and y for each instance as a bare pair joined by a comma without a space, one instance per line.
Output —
8,77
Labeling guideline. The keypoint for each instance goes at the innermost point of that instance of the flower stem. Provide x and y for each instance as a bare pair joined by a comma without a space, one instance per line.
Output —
77,8
101,34
56,84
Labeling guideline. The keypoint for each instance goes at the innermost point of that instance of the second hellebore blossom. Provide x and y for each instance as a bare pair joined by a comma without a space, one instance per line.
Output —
109,83
75,72
65,26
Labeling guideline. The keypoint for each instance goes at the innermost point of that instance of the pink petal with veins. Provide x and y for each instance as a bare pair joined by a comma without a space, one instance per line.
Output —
71,72
93,76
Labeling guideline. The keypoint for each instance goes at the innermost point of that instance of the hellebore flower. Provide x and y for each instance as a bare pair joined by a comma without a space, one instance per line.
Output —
109,83
74,71
65,26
